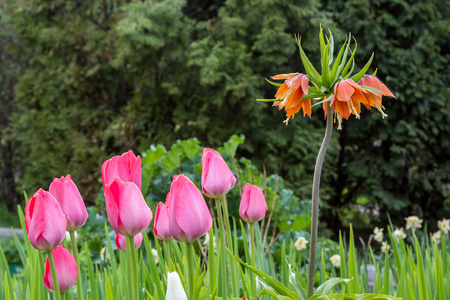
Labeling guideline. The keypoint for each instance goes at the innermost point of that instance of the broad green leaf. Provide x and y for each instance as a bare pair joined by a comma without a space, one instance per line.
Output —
326,287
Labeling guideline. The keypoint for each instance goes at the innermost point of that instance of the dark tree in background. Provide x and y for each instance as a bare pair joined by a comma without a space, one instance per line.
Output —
103,77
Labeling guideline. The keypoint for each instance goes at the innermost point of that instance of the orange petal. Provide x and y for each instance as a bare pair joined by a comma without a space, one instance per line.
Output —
283,76
386,91
344,91
305,82
294,81
306,105
281,90
342,108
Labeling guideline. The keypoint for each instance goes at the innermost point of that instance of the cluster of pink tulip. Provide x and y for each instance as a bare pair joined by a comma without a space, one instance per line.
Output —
184,217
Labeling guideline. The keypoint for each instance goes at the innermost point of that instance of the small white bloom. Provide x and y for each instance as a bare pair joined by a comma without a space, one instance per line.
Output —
104,254
385,247
206,241
300,244
378,234
399,233
444,225
413,223
76,235
175,289
155,255
336,260
437,237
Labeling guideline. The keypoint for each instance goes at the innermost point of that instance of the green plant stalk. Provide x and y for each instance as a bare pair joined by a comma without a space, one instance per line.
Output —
191,270
223,282
229,241
54,276
252,245
134,268
315,201
63,296
130,269
73,241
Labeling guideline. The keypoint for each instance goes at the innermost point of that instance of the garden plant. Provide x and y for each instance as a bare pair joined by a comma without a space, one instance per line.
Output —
197,248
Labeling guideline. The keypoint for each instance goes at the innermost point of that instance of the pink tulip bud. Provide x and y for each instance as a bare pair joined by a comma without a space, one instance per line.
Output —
253,206
127,167
66,270
127,211
69,198
46,221
161,225
189,216
217,179
121,241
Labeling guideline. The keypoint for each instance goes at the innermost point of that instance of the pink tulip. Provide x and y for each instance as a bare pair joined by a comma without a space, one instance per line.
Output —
253,206
69,198
189,216
46,221
121,241
127,167
161,225
127,211
217,179
66,270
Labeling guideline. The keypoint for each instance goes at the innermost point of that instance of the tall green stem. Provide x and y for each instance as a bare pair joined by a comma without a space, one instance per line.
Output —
134,268
223,288
131,269
252,245
73,241
54,276
191,270
315,201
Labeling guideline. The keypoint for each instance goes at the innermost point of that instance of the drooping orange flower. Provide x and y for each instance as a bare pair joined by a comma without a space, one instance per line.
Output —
373,98
346,100
291,93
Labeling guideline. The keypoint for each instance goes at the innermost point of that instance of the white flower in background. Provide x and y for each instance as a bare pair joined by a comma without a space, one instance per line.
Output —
378,234
300,243
206,241
413,223
155,255
399,233
444,225
436,237
175,289
336,260
76,235
104,254
385,247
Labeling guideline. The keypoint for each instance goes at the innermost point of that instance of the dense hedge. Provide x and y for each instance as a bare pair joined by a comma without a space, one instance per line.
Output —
101,77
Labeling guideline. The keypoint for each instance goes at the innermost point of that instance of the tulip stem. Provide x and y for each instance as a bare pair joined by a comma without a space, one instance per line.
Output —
315,201
63,296
131,268
73,240
54,276
252,245
191,270
223,288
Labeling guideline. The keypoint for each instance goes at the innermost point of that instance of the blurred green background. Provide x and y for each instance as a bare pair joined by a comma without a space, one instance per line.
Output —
82,81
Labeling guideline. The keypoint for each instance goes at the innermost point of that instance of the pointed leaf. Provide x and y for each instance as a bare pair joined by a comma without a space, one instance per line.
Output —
313,95
334,71
361,73
280,288
347,66
324,100
310,70
273,83
269,100
326,287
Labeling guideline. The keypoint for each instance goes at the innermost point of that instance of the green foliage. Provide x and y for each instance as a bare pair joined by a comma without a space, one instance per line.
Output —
103,77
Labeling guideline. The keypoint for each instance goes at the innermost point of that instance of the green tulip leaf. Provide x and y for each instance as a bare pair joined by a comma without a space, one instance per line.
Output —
280,288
